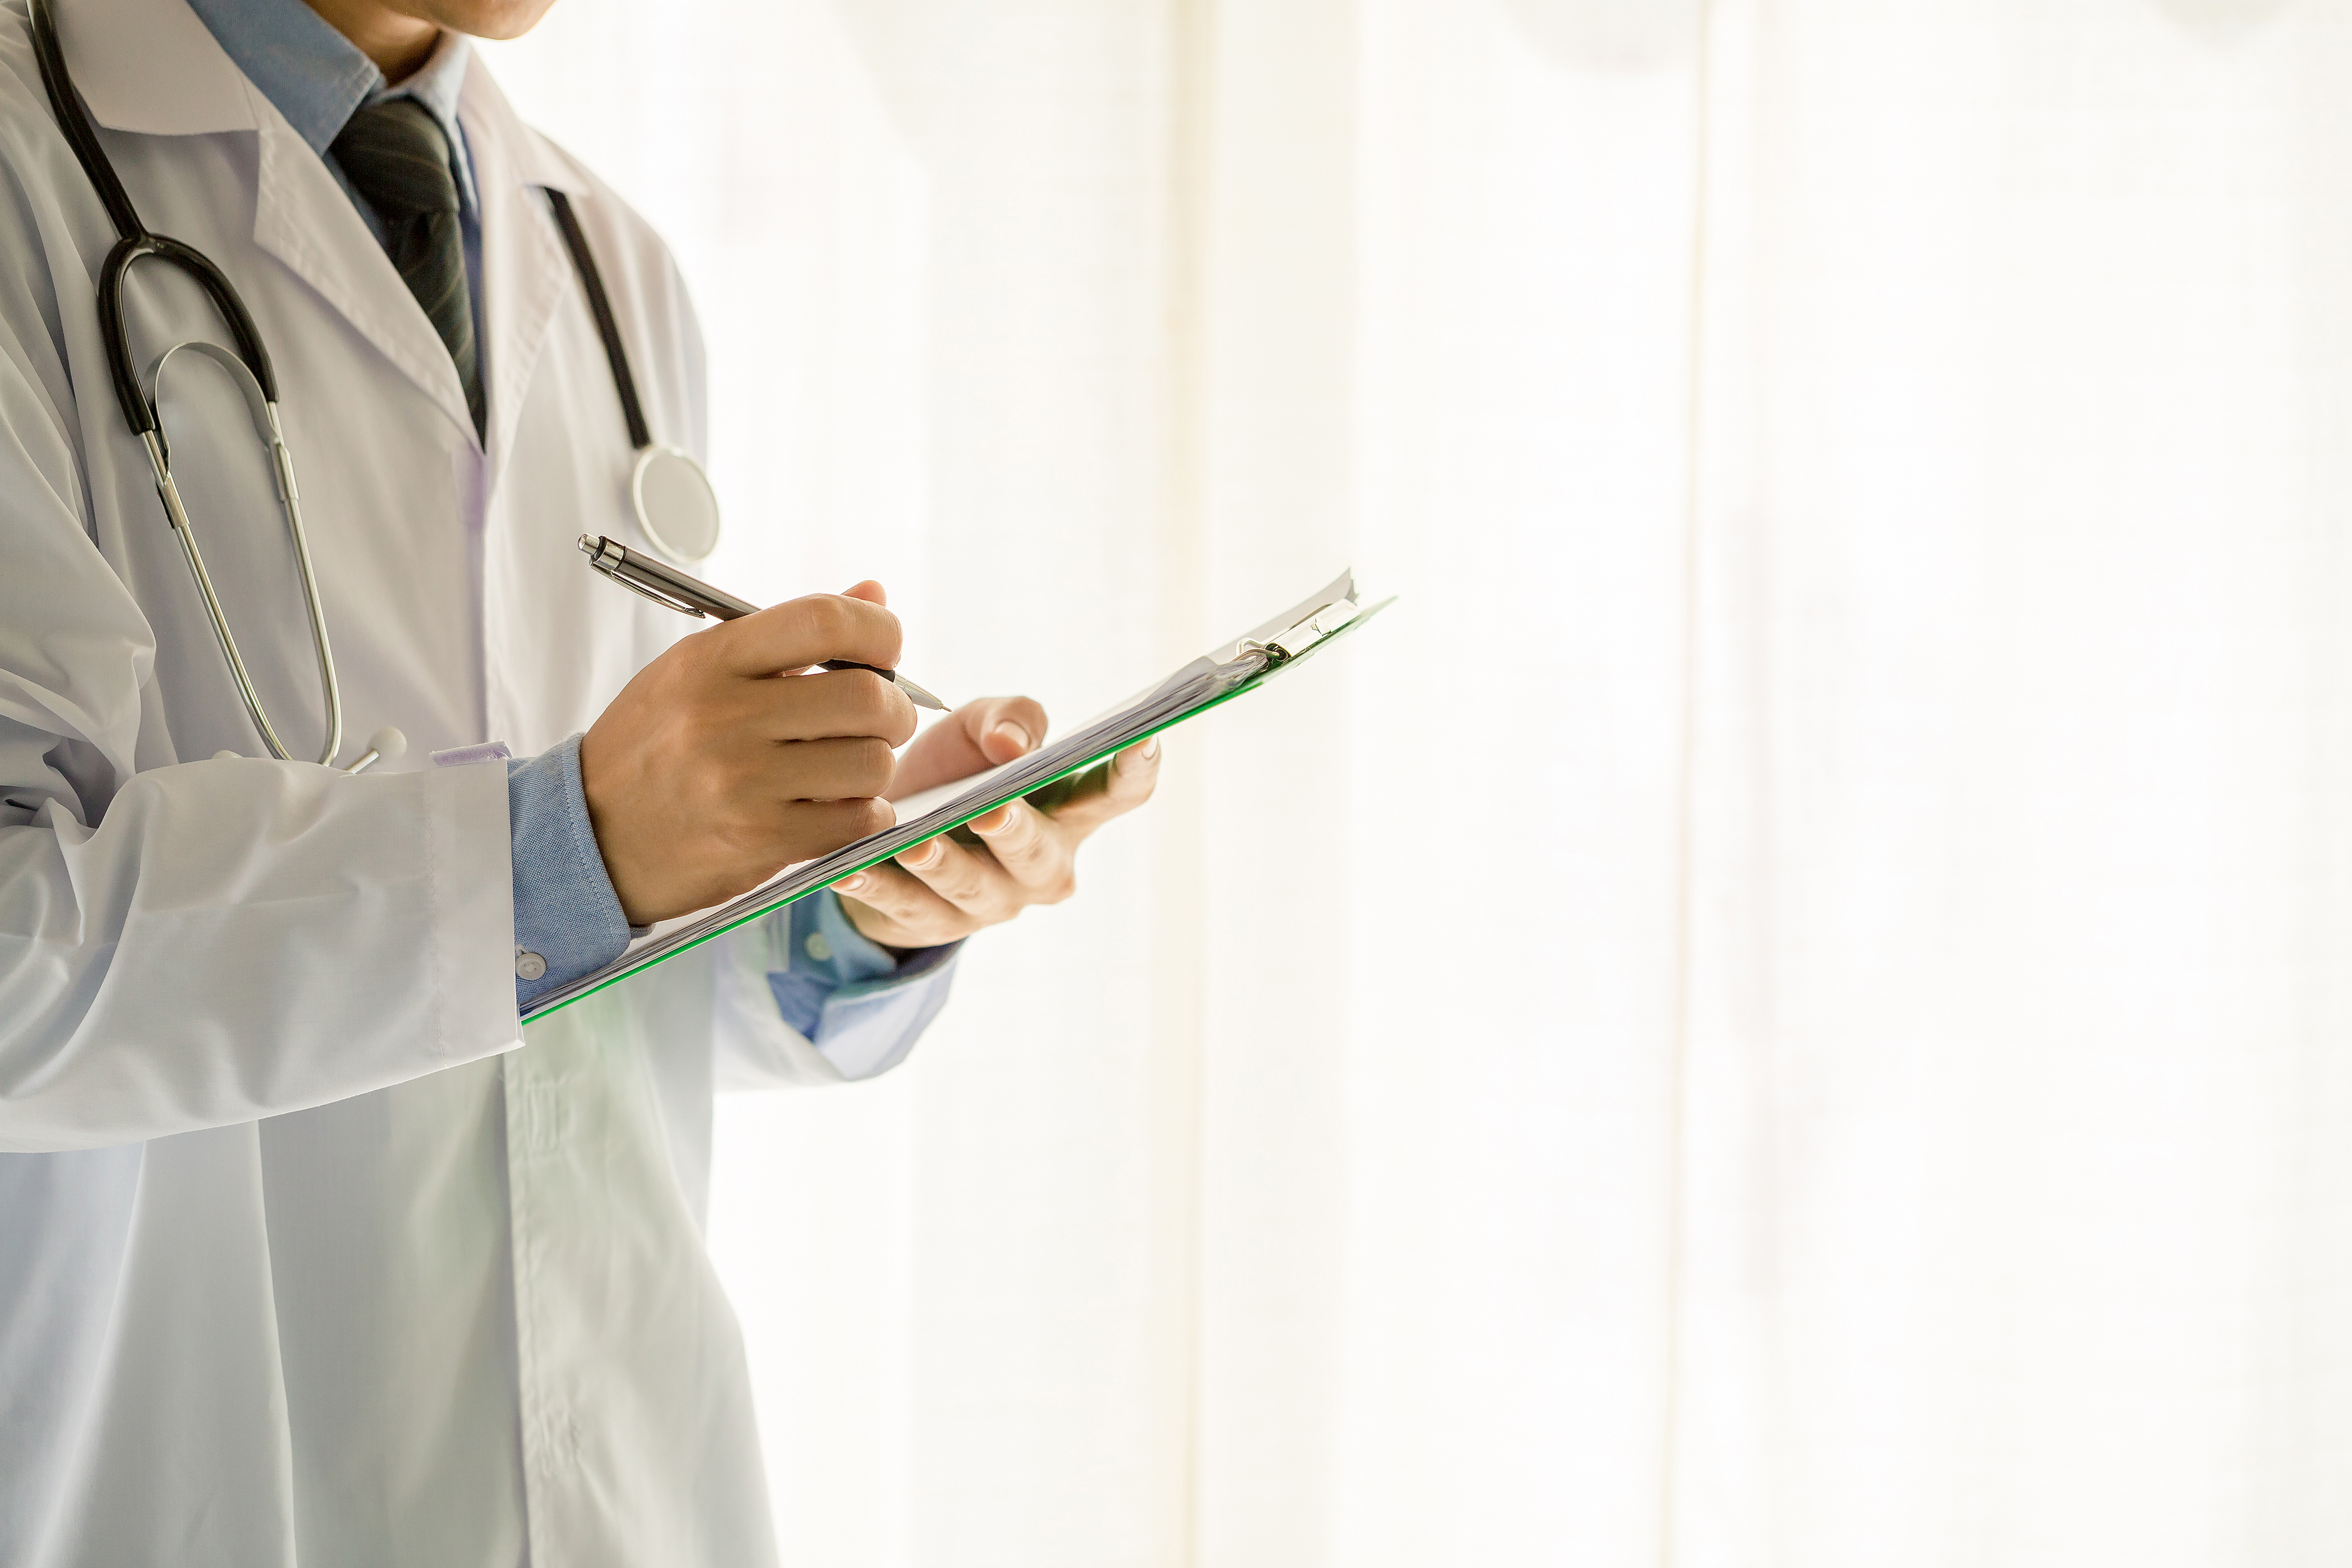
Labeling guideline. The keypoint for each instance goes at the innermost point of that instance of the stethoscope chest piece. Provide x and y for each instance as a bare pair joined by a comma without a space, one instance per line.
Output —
676,506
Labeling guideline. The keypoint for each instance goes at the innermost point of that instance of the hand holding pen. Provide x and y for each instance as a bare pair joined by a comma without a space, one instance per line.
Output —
705,776
666,585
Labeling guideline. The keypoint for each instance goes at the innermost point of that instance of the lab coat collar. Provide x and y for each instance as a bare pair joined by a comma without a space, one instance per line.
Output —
535,159
153,67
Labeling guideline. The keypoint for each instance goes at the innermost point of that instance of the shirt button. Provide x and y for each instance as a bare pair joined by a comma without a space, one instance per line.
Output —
817,947
529,966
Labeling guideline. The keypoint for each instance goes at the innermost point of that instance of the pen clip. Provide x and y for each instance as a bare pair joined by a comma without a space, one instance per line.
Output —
611,559
656,594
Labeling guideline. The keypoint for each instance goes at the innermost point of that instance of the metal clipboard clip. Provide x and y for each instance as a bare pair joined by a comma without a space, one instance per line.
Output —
1287,644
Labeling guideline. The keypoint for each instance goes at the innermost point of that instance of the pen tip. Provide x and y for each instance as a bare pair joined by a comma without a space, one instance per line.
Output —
917,696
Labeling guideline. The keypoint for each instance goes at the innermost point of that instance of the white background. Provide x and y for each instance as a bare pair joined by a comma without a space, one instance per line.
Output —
1789,1004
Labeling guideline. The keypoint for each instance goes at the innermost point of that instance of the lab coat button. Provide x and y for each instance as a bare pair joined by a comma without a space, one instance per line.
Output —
818,948
529,966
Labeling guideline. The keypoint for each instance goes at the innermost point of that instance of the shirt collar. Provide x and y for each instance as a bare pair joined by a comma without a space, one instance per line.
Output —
316,77
313,74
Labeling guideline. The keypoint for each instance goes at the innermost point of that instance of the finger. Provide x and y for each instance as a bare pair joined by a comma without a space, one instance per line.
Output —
970,880
1007,727
914,916
973,738
801,632
1029,848
1112,790
823,705
793,831
841,768
870,591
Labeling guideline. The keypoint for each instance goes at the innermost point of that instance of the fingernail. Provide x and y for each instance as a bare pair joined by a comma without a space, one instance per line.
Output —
1151,750
922,853
1014,733
850,885
1002,815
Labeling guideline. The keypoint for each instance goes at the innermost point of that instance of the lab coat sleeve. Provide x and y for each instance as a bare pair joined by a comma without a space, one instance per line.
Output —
206,942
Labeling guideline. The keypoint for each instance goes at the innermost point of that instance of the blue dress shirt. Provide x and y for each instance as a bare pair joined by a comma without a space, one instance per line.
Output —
858,1004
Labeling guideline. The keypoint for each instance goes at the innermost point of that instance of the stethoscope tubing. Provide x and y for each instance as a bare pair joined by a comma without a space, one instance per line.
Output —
608,326
138,243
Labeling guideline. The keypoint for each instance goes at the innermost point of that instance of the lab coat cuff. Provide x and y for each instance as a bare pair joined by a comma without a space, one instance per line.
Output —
567,918
465,849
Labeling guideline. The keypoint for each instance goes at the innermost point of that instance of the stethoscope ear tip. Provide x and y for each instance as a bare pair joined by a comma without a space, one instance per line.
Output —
386,745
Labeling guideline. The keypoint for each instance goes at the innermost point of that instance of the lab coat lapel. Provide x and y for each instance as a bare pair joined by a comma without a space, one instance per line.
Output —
152,67
302,217
526,275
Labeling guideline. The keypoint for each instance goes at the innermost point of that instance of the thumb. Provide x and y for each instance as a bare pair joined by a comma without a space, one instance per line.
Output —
870,591
973,738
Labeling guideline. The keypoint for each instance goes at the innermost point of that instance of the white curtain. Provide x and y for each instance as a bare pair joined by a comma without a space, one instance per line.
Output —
1790,1005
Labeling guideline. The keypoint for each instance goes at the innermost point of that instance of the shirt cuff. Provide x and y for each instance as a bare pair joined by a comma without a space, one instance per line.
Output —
862,1008
567,918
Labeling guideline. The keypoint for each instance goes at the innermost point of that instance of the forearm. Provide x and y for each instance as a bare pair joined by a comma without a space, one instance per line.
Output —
237,939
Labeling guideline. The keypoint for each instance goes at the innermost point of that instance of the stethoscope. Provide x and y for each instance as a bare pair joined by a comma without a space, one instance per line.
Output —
674,504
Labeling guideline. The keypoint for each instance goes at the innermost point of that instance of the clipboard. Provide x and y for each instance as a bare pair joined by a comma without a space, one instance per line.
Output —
1045,777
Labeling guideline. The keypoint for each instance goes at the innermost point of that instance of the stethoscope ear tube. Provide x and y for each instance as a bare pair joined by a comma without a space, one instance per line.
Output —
262,411
248,366
591,283
80,135
113,322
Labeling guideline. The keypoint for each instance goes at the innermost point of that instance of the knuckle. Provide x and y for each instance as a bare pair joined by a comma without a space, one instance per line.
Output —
874,700
696,657
816,625
872,765
828,615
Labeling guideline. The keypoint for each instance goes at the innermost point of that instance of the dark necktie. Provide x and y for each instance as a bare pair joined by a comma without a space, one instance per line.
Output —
395,155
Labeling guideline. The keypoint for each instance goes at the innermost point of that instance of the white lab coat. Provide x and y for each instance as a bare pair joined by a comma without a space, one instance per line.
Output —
300,1259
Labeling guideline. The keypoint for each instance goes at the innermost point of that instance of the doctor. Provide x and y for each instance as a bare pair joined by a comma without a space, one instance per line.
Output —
305,1254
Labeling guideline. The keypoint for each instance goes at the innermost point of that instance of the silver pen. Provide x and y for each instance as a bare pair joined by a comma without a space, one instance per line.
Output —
666,585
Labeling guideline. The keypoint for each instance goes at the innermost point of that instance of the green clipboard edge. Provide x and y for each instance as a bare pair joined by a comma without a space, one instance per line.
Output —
1050,790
